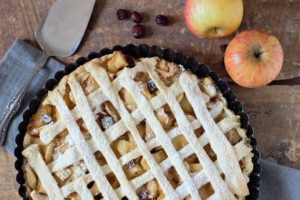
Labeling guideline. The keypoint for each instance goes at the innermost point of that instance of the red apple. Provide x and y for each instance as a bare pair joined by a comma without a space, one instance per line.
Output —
213,18
253,58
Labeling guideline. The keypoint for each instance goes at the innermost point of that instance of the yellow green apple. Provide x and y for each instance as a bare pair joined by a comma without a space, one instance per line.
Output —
213,18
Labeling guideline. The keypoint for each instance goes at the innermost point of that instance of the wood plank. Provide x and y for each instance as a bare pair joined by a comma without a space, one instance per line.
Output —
273,110
19,18
8,185
274,114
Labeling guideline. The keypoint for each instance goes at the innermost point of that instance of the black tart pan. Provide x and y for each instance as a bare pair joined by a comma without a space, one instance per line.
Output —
143,50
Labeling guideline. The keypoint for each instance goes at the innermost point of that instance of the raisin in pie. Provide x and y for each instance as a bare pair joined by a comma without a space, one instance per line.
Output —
152,131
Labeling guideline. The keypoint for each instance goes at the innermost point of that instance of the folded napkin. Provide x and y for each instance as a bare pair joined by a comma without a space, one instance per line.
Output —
15,68
278,182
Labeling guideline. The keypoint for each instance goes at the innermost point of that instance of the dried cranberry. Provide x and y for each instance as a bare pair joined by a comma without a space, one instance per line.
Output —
161,20
151,86
138,31
136,17
143,194
130,164
122,14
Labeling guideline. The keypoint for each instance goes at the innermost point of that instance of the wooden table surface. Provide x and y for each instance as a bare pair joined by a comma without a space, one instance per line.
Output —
274,110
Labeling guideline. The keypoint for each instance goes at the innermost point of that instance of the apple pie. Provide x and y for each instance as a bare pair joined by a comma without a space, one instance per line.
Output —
111,130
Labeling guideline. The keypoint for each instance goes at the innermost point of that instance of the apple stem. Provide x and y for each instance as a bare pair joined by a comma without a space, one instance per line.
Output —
215,30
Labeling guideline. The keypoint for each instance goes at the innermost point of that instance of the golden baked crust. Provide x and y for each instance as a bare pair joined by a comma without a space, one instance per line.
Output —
153,131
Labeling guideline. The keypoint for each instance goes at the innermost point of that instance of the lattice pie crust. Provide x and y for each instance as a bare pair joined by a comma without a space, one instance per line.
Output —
154,131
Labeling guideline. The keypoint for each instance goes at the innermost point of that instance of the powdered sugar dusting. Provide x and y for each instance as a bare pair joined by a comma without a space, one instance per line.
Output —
107,121
83,167
46,118
78,171
181,68
35,131
143,194
63,174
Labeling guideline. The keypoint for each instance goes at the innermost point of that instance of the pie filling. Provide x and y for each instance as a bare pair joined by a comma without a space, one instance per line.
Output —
154,131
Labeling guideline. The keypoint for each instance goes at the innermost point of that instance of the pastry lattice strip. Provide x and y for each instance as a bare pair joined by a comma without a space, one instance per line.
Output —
82,146
161,135
80,186
240,149
171,135
36,161
48,132
116,130
130,85
102,79
98,136
200,179
185,127
218,141
189,83
71,155
97,92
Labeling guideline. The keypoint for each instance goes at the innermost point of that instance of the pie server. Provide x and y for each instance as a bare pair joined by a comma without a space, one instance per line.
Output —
59,34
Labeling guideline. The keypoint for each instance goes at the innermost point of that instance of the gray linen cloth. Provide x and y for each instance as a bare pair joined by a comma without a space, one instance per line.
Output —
15,68
278,182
